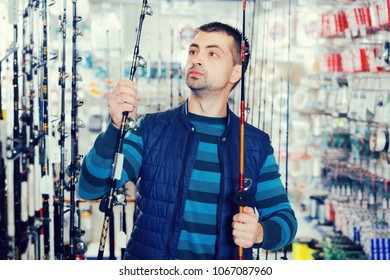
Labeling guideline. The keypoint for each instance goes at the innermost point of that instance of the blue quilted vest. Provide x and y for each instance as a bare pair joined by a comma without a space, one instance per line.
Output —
170,146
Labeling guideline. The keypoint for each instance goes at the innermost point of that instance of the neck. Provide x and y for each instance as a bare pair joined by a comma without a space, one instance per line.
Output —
210,107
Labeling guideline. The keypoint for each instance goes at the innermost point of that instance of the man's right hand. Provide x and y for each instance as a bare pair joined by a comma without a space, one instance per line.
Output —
124,98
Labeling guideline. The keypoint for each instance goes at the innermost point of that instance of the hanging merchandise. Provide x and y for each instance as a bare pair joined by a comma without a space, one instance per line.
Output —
35,179
379,140
386,52
317,208
4,218
186,35
305,99
382,104
353,153
388,155
306,27
76,246
60,184
3,207
304,248
15,147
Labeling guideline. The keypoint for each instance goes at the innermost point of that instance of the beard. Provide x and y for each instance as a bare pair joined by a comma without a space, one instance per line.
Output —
197,84
202,86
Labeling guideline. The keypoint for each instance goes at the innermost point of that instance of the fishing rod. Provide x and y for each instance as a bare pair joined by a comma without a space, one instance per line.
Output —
288,106
267,15
4,252
14,150
122,237
172,71
252,73
17,147
160,73
76,246
26,130
3,193
44,213
3,207
111,228
60,184
149,74
7,229
273,77
263,64
107,117
244,54
252,68
111,199
180,87
33,148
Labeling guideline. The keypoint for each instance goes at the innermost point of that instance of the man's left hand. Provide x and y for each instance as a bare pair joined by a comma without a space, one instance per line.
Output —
246,228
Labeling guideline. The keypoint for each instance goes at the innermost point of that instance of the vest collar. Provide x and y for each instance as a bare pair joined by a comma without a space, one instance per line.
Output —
185,119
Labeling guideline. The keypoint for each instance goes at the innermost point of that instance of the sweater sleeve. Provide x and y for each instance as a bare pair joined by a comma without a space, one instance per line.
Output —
275,212
96,169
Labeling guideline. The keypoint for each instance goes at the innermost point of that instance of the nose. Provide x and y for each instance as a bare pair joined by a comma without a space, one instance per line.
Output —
196,59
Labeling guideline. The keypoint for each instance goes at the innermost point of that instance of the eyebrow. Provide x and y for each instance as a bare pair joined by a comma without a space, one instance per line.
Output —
207,47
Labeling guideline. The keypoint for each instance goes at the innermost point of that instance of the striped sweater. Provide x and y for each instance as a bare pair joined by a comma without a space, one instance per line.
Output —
198,232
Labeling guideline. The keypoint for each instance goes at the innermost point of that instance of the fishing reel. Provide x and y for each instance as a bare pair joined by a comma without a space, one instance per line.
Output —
131,124
61,129
13,48
14,152
118,199
243,198
73,171
80,247
62,76
147,10
386,55
379,142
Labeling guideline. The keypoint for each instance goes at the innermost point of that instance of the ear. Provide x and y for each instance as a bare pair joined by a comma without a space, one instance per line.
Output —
236,74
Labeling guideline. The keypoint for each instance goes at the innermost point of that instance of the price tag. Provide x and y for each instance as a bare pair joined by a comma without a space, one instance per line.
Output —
13,11
359,195
371,200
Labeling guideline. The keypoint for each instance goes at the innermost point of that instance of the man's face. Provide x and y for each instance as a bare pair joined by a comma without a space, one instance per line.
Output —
210,63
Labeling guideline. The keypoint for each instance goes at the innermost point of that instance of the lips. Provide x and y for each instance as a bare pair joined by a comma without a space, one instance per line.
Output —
195,73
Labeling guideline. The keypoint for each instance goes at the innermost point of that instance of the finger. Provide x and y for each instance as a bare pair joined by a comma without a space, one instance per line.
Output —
245,227
125,107
246,219
242,242
119,108
249,210
241,216
246,238
238,226
127,99
122,94
118,98
127,83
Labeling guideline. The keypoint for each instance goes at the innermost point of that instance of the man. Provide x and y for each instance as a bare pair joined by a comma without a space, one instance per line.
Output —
187,162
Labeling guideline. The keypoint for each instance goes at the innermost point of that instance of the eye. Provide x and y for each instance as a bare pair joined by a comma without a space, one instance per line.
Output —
213,54
191,52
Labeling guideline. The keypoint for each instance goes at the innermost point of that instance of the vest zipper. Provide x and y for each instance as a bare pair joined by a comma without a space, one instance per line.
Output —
178,201
220,198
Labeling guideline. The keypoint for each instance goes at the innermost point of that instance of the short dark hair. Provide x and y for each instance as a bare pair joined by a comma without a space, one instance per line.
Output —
235,34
